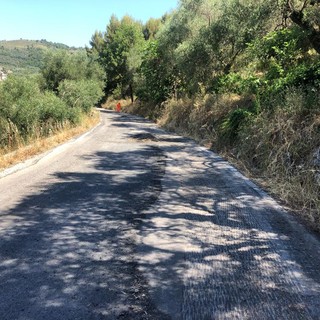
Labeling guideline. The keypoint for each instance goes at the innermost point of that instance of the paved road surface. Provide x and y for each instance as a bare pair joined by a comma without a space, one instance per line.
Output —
130,222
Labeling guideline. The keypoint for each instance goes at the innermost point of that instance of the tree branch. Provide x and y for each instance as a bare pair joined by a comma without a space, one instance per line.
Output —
304,5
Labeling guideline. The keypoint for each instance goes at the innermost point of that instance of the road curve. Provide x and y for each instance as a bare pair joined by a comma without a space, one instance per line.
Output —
131,222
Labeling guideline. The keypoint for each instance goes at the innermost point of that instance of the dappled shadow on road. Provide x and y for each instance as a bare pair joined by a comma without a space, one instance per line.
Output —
161,229
70,254
239,259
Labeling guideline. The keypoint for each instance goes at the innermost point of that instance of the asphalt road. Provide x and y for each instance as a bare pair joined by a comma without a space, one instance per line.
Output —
131,222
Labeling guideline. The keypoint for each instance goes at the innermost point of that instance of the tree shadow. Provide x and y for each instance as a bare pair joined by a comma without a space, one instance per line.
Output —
241,255
161,231
70,254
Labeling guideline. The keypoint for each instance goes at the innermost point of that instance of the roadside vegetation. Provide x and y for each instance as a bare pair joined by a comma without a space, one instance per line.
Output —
241,76
59,98
45,143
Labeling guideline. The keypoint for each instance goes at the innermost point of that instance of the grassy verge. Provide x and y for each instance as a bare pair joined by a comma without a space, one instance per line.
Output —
9,157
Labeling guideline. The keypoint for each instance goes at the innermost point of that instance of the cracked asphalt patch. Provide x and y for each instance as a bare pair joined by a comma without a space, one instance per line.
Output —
133,222
144,136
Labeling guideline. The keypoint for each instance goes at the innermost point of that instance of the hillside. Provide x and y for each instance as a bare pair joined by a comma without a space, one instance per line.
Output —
25,56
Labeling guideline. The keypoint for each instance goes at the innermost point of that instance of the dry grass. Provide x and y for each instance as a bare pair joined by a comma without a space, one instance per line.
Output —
201,117
276,149
111,103
285,148
39,145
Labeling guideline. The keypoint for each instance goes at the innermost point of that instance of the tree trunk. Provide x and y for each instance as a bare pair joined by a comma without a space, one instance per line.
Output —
314,35
131,92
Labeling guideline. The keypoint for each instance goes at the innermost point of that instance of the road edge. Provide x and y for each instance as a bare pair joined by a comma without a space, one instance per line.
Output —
56,150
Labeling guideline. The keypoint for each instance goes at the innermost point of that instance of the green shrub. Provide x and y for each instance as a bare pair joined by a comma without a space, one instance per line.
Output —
61,65
74,115
52,108
233,123
284,48
53,113
83,94
26,112
19,102
235,83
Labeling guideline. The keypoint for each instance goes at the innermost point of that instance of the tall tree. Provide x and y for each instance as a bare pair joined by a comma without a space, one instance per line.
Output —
151,28
119,41
96,43
203,38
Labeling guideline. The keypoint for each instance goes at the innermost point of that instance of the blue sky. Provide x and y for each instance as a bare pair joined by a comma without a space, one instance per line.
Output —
71,22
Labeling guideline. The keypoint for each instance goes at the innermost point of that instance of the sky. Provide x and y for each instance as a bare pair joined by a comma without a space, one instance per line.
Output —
71,22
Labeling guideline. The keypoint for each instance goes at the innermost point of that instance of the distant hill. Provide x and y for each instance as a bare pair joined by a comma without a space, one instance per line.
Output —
26,56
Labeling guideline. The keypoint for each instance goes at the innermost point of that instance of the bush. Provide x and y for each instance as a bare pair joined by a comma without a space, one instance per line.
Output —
26,112
19,102
61,65
235,83
233,123
74,116
53,113
83,94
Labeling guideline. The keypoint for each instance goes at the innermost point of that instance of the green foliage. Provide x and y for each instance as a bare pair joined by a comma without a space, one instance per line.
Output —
233,124
25,111
18,102
52,109
199,42
180,54
151,28
97,43
305,74
281,49
155,83
82,94
235,83
122,39
199,47
285,59
61,65
32,106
